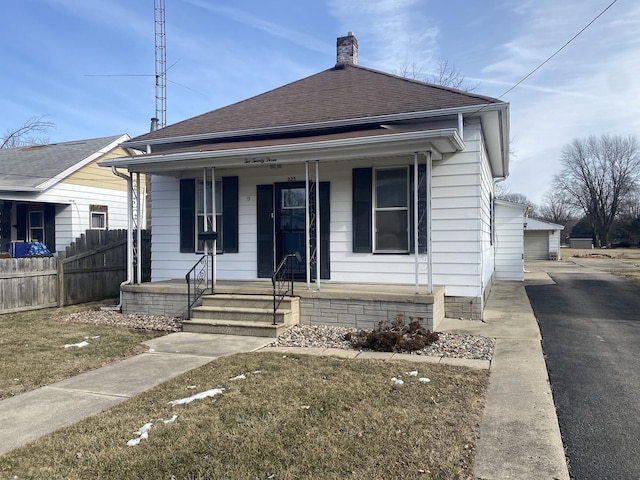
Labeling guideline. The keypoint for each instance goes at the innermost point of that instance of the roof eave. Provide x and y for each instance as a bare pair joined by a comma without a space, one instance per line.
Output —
327,150
284,129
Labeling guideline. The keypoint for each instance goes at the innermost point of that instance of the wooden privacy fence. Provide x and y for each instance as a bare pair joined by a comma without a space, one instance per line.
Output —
92,268
28,283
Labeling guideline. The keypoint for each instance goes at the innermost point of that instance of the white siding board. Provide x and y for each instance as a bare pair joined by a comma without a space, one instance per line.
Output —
509,243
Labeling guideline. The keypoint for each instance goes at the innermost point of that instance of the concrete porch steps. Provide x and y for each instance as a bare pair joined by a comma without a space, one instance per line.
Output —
239,314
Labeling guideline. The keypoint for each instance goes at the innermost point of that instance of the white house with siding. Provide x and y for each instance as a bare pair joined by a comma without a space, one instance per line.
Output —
52,193
377,179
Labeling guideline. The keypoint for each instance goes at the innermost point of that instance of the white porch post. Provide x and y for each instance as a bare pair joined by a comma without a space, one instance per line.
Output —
428,212
416,217
214,227
138,231
204,210
307,235
317,221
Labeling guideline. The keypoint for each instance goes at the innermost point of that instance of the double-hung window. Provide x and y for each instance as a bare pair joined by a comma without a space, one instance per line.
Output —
36,226
391,210
200,212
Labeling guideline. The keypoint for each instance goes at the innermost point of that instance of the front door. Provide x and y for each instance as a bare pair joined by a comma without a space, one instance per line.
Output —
290,215
284,216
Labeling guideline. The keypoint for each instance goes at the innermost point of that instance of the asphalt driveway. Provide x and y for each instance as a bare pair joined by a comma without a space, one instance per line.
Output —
590,326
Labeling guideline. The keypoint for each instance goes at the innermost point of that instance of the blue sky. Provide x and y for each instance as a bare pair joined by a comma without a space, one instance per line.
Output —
64,59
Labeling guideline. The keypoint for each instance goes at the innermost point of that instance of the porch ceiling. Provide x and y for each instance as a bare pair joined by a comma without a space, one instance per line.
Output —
375,142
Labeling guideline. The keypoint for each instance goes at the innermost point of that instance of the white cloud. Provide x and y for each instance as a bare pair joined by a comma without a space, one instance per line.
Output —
391,33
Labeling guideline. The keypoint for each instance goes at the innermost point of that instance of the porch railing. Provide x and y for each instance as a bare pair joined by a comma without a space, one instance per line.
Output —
282,280
197,282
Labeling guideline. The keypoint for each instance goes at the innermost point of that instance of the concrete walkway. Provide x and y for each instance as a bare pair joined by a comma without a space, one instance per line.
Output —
519,433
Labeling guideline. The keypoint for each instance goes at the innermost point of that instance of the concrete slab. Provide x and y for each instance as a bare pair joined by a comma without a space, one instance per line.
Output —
188,343
466,362
133,375
375,356
341,353
27,417
519,433
416,358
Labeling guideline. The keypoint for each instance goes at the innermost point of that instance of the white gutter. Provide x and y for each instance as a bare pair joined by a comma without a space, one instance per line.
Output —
129,233
264,155
301,127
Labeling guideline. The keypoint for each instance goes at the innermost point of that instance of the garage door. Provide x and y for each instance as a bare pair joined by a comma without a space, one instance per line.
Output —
536,245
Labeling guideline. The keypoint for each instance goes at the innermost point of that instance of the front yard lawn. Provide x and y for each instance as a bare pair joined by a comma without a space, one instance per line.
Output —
33,353
267,415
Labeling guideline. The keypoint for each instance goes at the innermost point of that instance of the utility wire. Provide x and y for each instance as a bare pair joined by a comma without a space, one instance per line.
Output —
560,49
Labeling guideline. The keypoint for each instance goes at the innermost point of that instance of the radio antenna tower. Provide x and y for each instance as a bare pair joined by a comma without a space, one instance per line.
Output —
161,64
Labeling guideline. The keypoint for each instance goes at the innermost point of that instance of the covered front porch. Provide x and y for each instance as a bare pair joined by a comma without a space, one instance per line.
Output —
361,306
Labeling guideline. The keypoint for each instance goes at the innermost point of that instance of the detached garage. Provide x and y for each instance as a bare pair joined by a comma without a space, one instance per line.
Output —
541,240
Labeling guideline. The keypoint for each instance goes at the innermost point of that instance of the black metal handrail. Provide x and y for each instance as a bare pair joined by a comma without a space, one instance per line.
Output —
282,281
200,284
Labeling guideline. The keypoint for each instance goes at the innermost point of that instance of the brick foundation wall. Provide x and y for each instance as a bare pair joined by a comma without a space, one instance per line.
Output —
151,303
465,308
361,314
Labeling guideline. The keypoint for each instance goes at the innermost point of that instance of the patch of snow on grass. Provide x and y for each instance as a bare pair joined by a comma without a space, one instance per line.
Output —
77,345
198,396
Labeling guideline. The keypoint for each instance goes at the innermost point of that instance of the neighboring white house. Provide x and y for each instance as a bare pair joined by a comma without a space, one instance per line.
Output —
541,240
52,193
375,178
509,240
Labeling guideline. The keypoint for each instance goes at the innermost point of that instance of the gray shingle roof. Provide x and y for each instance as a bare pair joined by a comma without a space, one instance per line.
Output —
349,92
24,168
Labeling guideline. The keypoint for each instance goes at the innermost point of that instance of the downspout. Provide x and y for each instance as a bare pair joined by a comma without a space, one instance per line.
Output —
129,233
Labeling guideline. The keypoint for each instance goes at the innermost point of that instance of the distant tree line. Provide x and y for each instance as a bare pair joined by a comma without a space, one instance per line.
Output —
596,193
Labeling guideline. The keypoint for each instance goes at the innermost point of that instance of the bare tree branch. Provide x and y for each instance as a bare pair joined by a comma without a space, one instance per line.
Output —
446,75
22,135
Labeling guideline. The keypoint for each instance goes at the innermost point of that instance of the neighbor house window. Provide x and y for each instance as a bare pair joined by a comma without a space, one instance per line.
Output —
36,226
391,210
201,221
98,217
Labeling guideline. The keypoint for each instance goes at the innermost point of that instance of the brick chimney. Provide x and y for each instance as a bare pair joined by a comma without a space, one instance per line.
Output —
347,51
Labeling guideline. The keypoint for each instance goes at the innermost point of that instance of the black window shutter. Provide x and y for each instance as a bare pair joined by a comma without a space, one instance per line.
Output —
325,225
362,213
230,214
50,226
187,215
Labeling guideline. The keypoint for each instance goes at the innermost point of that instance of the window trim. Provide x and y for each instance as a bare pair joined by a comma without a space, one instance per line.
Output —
375,209
101,210
93,214
200,214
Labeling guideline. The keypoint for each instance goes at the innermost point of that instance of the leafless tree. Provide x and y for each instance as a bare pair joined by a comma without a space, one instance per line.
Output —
24,135
598,174
504,193
557,208
446,75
